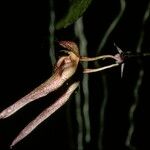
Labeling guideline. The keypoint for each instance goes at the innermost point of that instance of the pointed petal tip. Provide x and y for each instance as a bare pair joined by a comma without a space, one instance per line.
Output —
11,147
14,142
115,44
2,115
122,70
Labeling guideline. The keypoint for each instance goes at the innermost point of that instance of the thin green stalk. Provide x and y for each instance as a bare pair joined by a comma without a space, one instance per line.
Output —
134,105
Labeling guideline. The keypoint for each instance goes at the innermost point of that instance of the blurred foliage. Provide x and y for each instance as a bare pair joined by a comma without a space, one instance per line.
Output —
76,10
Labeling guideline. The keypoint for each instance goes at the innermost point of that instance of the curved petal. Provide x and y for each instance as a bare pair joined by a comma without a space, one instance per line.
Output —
45,114
64,69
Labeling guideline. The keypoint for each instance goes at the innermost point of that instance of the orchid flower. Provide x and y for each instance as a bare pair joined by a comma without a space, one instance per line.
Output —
64,69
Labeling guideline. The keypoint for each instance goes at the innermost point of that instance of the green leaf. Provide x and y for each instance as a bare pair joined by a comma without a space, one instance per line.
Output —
75,11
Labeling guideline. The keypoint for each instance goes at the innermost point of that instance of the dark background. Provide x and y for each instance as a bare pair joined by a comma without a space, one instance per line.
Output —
25,63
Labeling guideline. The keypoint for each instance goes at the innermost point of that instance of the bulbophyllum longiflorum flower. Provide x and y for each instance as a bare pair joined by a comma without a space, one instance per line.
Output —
65,74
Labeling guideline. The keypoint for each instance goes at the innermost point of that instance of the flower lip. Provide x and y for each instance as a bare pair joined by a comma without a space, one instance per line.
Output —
71,46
